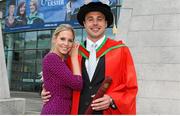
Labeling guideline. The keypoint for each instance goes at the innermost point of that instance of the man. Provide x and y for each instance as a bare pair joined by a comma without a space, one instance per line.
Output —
113,59
10,20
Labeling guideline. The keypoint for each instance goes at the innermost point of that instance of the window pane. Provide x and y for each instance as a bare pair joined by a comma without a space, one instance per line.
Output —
30,40
78,35
30,55
40,56
29,73
44,39
19,41
29,60
17,70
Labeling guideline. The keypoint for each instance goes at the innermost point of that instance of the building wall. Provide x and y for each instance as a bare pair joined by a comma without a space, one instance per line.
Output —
151,28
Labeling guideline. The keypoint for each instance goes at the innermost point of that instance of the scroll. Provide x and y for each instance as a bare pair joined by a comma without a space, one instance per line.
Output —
100,93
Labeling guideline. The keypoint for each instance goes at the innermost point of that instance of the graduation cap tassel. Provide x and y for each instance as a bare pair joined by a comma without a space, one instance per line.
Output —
114,29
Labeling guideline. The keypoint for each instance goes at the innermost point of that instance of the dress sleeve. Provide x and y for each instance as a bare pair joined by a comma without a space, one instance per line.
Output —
62,73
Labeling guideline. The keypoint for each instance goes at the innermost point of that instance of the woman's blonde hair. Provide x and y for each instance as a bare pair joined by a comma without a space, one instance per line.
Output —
60,28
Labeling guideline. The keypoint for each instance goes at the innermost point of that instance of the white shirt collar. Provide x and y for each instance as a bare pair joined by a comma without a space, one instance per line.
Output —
89,43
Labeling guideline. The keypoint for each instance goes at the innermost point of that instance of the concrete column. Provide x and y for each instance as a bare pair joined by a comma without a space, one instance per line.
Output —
8,105
4,86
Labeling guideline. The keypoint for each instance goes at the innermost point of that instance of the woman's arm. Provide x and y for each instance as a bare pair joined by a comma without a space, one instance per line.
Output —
74,60
62,74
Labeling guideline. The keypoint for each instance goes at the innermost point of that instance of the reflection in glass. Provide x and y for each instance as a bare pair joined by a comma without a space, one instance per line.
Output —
29,69
40,56
44,39
78,33
30,40
19,41
17,69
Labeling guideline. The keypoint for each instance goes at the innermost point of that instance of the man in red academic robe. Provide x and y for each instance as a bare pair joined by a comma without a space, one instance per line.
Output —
113,59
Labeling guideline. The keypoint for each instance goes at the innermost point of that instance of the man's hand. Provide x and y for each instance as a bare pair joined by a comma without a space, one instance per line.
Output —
45,95
101,103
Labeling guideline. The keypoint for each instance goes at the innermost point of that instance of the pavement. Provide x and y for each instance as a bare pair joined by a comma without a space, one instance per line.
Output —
33,101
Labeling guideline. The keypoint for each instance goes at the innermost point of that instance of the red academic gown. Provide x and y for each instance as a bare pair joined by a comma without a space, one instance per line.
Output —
120,67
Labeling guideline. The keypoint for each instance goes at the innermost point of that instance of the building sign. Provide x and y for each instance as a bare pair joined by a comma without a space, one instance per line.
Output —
25,15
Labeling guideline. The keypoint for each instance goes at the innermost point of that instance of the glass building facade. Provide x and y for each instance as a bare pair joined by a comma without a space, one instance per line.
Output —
24,52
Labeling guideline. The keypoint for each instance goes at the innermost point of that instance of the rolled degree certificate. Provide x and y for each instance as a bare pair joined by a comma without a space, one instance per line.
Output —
100,93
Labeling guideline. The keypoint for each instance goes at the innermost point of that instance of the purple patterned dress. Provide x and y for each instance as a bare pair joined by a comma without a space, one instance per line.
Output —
59,80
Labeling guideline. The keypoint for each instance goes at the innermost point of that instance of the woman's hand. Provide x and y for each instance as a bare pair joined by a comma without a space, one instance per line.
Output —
74,59
74,51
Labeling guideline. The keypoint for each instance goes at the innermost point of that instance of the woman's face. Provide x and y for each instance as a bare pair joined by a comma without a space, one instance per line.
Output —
63,42
11,10
32,7
22,9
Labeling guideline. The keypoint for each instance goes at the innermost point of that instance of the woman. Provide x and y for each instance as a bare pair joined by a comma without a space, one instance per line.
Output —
58,79
10,20
21,14
35,17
